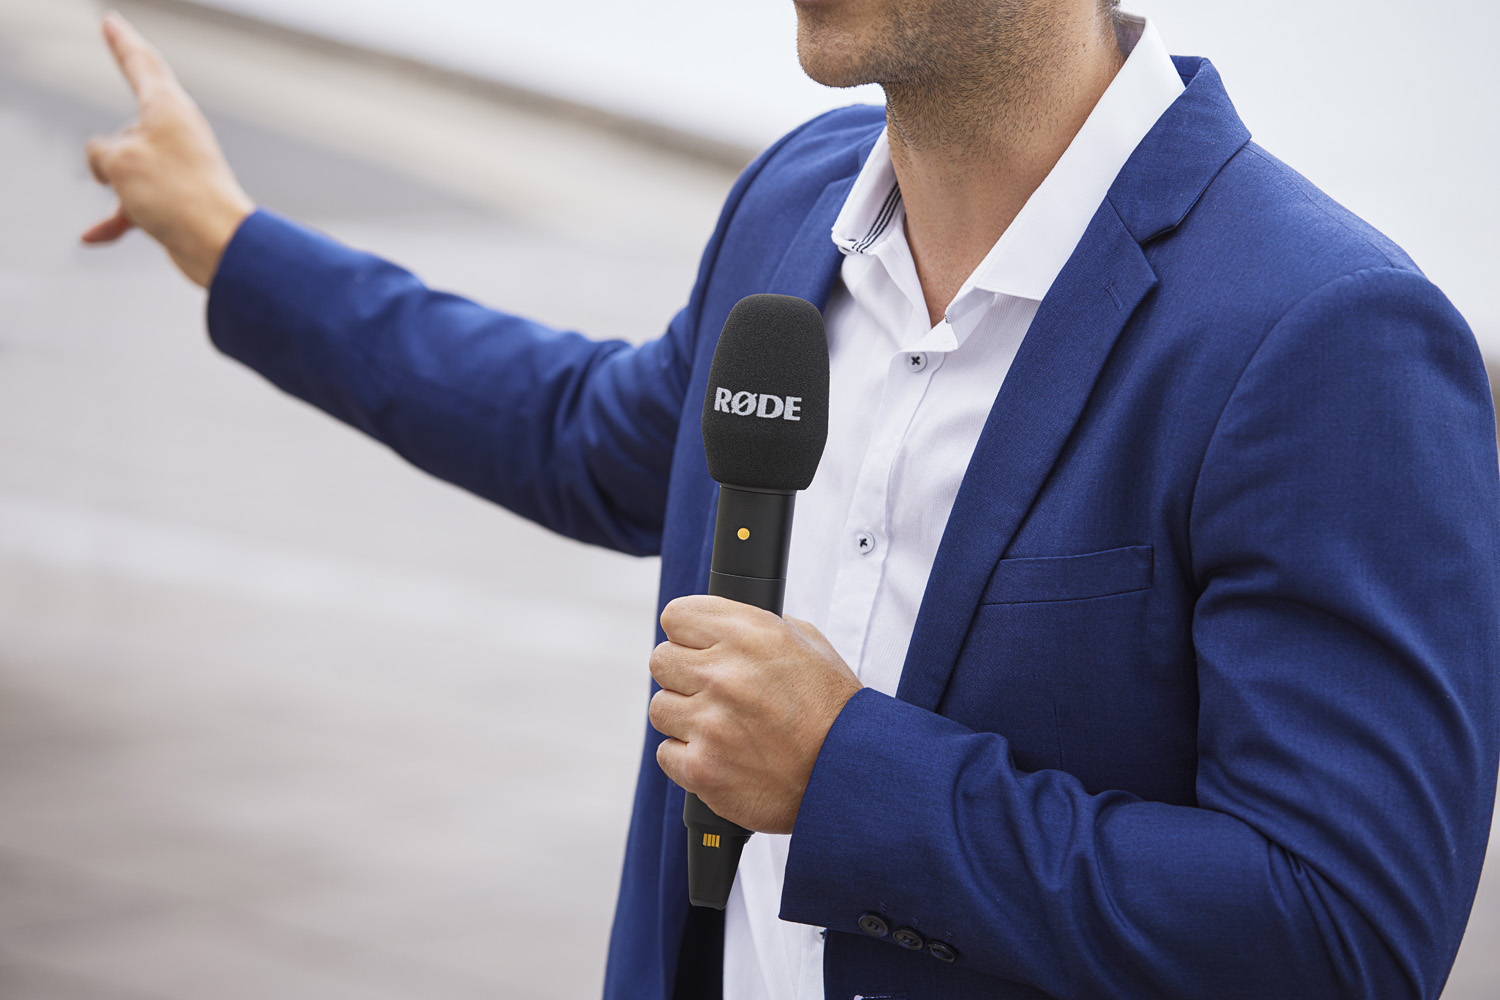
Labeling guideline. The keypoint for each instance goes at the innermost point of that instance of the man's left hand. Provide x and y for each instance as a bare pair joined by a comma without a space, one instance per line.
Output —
747,699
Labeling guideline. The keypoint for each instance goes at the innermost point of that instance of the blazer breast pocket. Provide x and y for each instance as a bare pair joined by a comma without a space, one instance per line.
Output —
1070,578
1057,658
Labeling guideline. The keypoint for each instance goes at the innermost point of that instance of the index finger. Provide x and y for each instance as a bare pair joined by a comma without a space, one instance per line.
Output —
143,67
700,622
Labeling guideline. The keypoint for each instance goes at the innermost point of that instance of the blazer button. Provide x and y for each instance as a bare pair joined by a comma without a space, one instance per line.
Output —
908,938
874,925
941,951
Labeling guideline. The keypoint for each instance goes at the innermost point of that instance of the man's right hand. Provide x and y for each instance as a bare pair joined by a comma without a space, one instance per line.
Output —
167,168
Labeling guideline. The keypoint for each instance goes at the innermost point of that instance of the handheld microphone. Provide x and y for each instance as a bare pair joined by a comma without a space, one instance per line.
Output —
765,421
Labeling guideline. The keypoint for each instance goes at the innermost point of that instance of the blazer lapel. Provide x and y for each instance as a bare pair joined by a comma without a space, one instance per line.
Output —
811,262
807,270
1067,346
1042,397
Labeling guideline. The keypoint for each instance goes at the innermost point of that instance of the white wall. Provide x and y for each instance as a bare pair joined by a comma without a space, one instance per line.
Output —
728,71
1388,106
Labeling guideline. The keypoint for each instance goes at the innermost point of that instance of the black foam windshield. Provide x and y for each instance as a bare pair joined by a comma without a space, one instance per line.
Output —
765,416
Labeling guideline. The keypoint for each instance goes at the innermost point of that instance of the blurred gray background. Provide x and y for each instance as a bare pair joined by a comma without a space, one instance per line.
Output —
280,717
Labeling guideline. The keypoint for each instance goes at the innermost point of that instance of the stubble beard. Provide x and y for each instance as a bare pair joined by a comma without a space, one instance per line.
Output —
948,67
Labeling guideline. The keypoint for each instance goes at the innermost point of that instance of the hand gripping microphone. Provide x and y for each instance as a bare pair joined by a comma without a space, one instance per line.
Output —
765,420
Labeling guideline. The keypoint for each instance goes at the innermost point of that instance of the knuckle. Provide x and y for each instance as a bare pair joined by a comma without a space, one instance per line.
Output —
757,627
734,631
724,684
160,106
695,772
125,157
706,727
710,678
712,728
658,659
143,57
678,611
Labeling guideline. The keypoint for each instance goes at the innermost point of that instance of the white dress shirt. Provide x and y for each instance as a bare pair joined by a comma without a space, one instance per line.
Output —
907,403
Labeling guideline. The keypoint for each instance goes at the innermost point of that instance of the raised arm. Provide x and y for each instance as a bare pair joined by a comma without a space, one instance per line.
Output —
573,433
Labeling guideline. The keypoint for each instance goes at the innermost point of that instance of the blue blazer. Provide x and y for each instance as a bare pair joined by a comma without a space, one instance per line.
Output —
1201,699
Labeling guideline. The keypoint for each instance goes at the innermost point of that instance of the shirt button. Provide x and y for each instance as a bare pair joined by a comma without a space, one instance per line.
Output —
874,925
916,362
864,542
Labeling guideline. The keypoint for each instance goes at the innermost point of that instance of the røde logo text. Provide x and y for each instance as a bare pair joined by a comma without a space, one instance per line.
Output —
743,404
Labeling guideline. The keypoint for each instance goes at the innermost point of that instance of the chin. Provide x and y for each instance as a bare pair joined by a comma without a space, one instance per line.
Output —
831,56
831,74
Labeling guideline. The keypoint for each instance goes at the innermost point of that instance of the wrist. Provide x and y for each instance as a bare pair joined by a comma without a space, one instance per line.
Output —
208,238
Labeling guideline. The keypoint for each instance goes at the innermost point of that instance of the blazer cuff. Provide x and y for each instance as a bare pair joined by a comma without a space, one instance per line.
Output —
270,266
848,856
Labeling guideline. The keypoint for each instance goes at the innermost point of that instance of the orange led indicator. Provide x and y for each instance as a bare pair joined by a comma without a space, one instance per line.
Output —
710,840
744,534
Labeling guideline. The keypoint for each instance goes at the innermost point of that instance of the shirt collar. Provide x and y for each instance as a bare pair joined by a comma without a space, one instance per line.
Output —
873,201
1032,251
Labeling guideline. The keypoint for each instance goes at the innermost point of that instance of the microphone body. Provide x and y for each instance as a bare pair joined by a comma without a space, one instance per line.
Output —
765,421
752,538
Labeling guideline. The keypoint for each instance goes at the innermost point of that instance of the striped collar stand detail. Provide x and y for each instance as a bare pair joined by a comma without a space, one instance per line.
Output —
873,203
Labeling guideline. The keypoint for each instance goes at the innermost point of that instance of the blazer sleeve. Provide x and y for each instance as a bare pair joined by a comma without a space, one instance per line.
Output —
1343,540
572,433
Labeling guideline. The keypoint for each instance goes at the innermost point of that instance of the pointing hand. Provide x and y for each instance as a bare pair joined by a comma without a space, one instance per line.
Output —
167,169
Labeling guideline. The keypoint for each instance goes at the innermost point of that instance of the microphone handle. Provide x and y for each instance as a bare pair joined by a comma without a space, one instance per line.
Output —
752,537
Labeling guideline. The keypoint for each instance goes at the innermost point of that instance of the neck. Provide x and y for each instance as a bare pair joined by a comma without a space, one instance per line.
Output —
970,145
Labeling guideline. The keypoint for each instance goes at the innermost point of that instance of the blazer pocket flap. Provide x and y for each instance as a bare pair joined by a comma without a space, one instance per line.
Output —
1070,578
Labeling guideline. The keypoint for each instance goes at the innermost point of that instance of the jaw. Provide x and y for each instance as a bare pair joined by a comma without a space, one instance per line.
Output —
909,43
842,43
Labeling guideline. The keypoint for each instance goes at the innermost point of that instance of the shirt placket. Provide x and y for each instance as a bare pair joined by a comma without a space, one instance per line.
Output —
866,541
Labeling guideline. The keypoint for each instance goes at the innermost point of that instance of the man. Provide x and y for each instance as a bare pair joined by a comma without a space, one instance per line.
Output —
1149,576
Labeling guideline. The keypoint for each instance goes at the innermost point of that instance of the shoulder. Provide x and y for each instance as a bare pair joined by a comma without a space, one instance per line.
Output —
776,194
1265,248
769,203
831,145
1301,206
793,172
810,156
1271,293
1262,238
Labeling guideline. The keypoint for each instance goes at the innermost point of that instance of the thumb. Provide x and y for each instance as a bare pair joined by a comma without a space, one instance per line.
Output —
808,629
110,229
98,151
